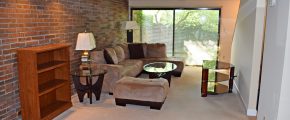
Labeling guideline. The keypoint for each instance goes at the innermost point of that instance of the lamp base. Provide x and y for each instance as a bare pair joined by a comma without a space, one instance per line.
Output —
85,57
130,36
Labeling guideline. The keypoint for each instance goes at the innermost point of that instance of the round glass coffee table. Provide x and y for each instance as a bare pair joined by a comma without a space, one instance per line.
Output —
160,70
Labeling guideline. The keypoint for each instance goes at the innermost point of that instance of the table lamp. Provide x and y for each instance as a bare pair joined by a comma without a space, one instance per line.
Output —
85,42
130,26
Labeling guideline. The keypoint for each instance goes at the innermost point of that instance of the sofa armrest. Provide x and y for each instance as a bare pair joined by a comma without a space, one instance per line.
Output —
114,73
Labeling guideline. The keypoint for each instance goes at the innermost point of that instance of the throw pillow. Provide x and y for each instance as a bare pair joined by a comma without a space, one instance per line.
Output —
120,53
136,50
126,50
110,56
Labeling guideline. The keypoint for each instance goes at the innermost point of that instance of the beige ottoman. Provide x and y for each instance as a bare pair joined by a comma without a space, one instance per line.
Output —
140,91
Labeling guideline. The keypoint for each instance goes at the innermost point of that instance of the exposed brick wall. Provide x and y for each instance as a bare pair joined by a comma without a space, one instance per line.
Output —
26,23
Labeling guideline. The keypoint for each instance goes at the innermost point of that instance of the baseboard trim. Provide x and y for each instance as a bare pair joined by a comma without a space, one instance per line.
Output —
251,112
238,91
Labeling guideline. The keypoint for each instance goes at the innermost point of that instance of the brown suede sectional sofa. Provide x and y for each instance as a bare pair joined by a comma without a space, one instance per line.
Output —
128,60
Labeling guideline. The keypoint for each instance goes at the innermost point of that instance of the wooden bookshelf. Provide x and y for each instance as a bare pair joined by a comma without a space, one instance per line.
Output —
44,81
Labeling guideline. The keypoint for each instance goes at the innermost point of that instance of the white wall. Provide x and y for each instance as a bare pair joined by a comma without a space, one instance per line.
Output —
228,16
283,112
247,49
274,102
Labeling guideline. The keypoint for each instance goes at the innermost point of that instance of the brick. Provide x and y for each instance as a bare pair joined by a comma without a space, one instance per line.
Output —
12,25
4,46
8,30
32,43
24,39
9,51
1,83
3,25
7,20
9,87
5,77
37,37
9,41
17,45
9,81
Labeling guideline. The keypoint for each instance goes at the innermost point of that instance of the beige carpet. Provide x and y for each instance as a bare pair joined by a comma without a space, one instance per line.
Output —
183,103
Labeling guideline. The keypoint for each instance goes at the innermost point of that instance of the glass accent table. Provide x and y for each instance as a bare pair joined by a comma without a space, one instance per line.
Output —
84,83
217,77
160,69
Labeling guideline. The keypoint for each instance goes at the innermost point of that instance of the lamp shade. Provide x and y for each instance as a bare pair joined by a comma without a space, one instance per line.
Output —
85,41
130,25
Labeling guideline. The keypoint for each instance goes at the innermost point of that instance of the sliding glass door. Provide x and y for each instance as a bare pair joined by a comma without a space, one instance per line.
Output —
156,26
192,33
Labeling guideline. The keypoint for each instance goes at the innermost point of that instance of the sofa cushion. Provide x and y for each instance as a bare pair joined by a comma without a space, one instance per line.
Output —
136,51
110,56
98,57
131,67
120,53
126,50
156,50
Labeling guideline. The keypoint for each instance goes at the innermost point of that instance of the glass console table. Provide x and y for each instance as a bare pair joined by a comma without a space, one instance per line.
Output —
217,77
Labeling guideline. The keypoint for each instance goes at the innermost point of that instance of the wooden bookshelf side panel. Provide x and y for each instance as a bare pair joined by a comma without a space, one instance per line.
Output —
28,83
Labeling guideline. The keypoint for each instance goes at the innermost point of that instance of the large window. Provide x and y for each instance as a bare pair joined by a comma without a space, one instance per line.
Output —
191,33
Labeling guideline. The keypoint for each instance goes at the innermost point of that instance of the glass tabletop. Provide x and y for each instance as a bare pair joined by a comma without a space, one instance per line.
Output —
88,72
160,67
213,64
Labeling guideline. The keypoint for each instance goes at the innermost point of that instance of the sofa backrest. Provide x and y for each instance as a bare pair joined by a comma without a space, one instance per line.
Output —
156,50
149,50
126,50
